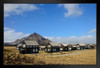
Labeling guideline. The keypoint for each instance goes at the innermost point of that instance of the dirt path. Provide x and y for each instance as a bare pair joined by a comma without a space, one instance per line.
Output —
74,53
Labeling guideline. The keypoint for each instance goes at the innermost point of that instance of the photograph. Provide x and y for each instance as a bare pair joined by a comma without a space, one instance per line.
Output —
50,34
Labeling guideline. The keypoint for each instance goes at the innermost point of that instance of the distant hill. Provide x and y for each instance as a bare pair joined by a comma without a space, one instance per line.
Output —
36,37
9,44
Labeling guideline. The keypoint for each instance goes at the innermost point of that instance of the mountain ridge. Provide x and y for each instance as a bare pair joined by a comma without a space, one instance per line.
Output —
35,37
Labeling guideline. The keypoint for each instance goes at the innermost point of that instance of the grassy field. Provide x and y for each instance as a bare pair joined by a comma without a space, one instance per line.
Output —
75,57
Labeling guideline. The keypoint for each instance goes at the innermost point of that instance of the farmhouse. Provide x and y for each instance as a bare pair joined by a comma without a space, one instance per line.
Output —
52,47
90,46
42,47
75,47
29,46
18,47
64,47
82,46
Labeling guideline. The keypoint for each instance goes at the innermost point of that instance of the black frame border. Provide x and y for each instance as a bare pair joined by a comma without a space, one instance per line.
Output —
2,2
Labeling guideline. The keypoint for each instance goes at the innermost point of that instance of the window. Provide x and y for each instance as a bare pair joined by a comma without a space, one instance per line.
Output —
49,49
49,45
33,50
61,48
36,50
24,45
45,49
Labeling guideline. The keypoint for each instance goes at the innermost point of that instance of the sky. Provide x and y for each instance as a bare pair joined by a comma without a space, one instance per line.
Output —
63,23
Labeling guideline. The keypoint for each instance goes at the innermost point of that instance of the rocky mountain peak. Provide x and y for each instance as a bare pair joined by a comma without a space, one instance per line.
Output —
36,37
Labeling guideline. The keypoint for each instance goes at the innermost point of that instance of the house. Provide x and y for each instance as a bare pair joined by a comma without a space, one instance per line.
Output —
75,47
18,47
42,47
52,47
64,47
90,46
82,46
29,46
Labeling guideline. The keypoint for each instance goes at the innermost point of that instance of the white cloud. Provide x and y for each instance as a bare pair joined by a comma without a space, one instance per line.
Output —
72,10
10,9
73,39
92,31
10,35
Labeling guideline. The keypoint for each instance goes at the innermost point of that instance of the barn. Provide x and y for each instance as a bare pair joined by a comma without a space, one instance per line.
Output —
52,47
29,46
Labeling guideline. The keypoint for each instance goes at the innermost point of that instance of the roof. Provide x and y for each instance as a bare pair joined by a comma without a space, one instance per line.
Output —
19,44
42,46
64,44
54,44
70,45
91,44
31,42
81,44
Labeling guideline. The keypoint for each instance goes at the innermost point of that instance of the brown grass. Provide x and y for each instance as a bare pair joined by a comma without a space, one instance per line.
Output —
12,56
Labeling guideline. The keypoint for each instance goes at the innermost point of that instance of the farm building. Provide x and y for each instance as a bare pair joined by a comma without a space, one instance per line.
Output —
18,47
75,47
90,46
65,47
69,47
82,46
29,46
52,47
42,47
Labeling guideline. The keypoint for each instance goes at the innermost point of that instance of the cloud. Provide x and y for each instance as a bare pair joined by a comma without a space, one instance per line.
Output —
92,31
10,35
73,10
73,39
11,9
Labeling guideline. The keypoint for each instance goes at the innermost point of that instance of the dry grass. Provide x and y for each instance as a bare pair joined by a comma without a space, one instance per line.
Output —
12,56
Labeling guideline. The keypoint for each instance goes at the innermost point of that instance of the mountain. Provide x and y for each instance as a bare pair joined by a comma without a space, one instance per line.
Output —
9,44
36,37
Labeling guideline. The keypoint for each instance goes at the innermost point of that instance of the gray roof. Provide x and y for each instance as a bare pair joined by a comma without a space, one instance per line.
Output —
70,45
64,44
54,44
31,42
82,44
19,44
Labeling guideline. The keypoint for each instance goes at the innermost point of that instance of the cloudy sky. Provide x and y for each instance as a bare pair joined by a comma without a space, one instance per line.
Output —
63,23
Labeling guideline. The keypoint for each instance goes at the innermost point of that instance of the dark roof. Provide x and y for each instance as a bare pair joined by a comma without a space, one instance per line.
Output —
31,42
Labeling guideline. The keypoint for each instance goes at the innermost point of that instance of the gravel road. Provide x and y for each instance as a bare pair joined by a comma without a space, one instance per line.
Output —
74,53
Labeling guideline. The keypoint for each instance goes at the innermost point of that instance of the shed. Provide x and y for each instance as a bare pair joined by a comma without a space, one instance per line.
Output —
30,46
52,47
